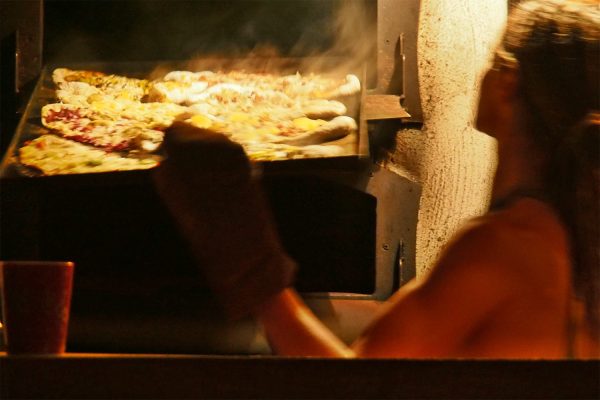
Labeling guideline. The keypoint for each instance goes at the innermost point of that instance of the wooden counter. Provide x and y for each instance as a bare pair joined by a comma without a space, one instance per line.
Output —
181,376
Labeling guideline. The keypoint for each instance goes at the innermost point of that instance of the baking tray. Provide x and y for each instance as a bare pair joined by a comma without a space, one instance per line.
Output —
30,126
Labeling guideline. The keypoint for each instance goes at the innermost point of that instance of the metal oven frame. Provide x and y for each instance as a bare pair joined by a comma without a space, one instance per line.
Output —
393,100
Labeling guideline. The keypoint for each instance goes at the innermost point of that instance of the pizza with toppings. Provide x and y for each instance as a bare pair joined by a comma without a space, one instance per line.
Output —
112,85
54,155
89,126
122,120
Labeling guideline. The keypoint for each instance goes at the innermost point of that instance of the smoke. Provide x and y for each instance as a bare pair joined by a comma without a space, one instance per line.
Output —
334,37
355,35
321,35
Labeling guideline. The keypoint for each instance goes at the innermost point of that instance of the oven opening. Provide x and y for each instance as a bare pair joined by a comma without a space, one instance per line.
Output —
337,215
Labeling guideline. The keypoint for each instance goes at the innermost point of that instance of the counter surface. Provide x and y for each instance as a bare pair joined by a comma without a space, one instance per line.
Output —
161,376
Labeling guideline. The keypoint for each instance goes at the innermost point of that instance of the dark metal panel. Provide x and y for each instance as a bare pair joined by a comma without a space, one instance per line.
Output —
20,58
397,209
398,201
25,19
397,31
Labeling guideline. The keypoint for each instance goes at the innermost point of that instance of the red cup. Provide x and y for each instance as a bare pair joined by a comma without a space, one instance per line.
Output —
36,299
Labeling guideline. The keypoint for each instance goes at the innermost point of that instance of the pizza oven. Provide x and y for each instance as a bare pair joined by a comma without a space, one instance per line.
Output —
349,222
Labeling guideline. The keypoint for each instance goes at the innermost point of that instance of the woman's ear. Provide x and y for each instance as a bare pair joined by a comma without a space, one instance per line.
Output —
508,83
498,99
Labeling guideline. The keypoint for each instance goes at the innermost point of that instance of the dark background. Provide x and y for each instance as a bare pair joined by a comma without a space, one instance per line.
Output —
175,30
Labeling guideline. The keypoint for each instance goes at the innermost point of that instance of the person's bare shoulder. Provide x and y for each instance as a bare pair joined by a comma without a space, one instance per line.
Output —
522,240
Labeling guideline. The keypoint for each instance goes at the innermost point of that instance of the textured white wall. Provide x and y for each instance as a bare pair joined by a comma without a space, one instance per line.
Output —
453,162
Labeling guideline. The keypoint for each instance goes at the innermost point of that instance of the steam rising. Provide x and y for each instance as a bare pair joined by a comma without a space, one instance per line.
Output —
320,35
349,38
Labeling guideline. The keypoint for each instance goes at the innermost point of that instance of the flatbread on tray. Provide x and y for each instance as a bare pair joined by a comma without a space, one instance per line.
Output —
52,155
122,120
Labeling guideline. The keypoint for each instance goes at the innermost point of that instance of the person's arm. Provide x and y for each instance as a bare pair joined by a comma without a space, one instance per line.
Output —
426,319
293,330
207,183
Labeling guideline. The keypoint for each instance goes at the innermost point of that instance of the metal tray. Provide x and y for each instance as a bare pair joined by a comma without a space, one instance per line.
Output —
30,126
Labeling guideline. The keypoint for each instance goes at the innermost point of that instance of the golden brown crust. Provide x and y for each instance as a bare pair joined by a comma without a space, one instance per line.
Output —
53,155
273,117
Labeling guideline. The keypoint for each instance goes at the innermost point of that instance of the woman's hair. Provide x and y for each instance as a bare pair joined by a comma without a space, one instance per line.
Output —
556,45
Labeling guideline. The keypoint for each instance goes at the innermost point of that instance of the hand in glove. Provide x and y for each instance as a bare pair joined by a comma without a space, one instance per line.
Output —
207,183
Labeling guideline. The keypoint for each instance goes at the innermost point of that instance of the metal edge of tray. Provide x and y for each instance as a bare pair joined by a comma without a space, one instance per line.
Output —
30,127
10,166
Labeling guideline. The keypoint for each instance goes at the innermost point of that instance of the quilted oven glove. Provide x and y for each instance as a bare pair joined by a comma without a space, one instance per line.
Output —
207,184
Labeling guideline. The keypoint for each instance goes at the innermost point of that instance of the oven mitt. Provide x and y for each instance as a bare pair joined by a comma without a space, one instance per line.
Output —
208,185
